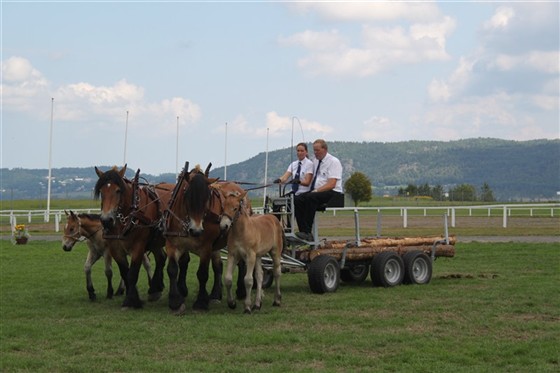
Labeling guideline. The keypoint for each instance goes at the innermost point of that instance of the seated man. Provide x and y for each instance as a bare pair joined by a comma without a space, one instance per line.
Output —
327,181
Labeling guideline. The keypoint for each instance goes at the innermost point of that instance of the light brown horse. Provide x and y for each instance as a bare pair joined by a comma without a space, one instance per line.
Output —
193,225
88,227
251,237
131,214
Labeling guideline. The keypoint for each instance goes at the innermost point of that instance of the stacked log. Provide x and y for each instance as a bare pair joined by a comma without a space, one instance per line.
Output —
369,247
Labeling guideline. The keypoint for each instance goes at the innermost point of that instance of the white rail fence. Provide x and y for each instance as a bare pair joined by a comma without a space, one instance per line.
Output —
505,211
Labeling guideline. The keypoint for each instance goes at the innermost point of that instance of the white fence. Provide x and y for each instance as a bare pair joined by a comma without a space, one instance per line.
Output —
505,211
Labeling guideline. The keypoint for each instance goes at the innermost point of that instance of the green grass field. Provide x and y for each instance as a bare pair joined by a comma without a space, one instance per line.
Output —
491,308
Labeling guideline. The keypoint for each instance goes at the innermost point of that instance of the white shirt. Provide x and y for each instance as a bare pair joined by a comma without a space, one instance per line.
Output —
331,168
306,168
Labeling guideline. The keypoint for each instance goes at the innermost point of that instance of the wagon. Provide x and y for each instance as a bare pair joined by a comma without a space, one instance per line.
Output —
388,261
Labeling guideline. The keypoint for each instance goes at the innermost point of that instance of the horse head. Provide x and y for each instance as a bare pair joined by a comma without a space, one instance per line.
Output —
196,200
71,231
112,189
234,203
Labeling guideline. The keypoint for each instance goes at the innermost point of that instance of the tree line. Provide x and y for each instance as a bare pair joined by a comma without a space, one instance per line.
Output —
360,189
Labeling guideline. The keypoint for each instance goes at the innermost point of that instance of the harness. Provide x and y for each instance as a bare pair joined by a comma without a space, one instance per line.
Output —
136,217
209,215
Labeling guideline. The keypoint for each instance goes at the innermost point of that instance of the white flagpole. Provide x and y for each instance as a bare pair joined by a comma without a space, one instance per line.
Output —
225,157
125,138
47,216
177,152
265,169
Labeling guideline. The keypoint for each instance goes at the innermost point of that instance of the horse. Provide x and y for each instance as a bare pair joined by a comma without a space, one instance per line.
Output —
192,224
88,227
130,216
250,237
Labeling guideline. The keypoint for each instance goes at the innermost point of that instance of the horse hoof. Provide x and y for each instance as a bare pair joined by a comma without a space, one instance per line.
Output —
92,297
179,311
198,306
232,305
119,292
154,296
256,308
276,304
215,301
247,311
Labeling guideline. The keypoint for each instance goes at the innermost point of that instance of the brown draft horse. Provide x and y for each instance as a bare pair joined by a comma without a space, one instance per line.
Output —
88,227
249,239
192,224
130,215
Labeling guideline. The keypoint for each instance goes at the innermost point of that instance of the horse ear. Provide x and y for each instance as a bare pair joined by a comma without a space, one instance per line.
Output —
98,172
212,180
123,171
66,212
207,172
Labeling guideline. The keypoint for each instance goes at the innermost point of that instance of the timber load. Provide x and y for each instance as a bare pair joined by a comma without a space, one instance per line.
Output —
369,247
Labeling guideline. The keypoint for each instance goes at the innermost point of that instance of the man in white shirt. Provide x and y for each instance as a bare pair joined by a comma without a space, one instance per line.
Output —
299,172
326,182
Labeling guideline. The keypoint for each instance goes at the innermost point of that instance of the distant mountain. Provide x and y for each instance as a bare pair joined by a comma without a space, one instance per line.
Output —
514,170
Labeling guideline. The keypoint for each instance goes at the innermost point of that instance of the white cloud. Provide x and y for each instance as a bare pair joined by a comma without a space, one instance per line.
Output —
380,47
383,129
371,11
25,89
501,18
542,61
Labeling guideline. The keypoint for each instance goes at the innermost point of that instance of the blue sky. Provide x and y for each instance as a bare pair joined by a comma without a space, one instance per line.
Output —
369,71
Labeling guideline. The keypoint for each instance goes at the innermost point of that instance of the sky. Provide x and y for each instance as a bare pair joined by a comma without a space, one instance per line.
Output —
155,84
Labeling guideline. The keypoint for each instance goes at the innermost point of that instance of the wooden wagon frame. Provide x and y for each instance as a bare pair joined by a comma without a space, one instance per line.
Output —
388,261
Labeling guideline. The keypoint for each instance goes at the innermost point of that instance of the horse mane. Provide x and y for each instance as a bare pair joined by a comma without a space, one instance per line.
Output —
90,216
197,194
111,176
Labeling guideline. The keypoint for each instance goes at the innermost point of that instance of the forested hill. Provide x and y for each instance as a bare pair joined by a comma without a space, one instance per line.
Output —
514,170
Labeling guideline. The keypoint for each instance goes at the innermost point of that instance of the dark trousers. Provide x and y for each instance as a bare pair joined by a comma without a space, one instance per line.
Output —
306,205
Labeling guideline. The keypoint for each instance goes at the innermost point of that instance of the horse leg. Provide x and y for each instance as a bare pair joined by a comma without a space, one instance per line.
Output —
277,268
148,267
241,271
176,300
108,274
92,257
182,279
259,279
156,282
202,299
132,298
250,260
231,262
120,258
217,268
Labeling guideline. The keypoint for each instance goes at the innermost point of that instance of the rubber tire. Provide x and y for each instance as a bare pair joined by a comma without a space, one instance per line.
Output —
387,269
268,278
417,268
357,273
323,274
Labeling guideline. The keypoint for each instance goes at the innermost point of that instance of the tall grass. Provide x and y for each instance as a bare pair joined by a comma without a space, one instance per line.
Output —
494,307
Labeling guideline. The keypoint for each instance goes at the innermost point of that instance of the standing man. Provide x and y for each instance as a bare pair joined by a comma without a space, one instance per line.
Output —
326,182
300,171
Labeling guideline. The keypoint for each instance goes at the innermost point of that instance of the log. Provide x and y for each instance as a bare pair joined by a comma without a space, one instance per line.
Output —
366,253
396,241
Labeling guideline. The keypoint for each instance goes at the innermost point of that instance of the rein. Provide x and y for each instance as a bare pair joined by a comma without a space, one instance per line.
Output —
136,216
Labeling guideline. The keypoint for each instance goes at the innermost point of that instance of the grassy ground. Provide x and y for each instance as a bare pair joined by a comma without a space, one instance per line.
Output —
494,307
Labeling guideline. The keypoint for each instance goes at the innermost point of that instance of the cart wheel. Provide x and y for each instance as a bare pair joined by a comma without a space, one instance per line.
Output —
355,274
268,278
323,274
387,269
417,268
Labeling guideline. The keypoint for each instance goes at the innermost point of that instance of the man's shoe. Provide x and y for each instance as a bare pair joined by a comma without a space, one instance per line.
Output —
304,236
